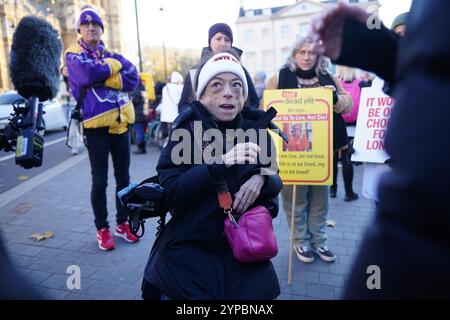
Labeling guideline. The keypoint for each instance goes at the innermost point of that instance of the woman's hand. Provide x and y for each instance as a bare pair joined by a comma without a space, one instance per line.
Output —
335,95
248,193
242,153
327,29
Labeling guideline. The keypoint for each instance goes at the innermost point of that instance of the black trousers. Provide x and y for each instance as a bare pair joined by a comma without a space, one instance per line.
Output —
347,170
99,147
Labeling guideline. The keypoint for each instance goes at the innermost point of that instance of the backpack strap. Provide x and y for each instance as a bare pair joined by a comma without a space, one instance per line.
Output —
76,112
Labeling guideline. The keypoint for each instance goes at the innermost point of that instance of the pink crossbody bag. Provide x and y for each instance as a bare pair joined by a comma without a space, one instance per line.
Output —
250,235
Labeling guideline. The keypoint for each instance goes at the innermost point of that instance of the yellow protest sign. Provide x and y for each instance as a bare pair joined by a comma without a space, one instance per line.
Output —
149,85
306,117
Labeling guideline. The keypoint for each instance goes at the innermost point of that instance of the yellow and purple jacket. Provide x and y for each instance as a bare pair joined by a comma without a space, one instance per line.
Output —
107,77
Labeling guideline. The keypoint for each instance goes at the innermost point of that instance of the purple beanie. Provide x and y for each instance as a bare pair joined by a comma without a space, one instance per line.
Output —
89,14
220,27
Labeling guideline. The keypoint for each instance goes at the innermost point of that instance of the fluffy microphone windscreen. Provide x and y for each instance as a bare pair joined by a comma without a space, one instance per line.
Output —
34,61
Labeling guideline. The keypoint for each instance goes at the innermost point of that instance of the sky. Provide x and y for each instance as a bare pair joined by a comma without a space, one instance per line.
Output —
185,23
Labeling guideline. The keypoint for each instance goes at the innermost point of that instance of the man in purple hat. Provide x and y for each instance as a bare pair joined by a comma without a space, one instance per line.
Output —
100,81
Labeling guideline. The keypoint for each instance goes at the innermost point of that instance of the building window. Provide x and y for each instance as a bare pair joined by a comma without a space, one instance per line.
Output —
267,59
250,13
250,60
303,29
248,35
285,52
285,31
265,33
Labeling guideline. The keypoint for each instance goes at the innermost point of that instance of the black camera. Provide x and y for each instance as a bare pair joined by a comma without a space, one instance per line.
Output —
25,133
144,200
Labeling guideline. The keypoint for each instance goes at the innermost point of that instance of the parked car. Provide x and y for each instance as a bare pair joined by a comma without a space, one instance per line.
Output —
54,117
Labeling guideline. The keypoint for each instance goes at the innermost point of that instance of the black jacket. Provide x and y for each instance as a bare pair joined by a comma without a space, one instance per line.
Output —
192,258
188,95
138,103
410,238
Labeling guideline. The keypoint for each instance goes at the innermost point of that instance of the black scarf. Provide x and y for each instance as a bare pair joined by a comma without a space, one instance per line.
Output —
288,79
309,74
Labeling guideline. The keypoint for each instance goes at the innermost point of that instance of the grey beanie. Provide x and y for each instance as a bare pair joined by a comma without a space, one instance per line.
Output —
399,20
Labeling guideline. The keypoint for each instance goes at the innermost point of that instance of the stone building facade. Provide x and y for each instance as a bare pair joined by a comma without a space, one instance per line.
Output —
266,35
62,14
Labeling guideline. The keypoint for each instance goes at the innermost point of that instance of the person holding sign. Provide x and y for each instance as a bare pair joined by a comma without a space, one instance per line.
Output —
306,69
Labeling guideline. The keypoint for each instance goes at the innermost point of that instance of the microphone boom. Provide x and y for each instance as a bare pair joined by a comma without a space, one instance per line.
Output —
34,64
34,61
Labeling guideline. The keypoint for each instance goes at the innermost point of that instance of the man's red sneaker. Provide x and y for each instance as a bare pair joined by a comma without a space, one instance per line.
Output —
123,231
104,239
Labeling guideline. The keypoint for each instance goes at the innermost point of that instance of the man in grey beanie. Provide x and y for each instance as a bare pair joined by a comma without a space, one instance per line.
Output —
399,24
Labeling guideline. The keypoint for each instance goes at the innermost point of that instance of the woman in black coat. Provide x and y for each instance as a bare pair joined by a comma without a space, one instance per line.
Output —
304,69
192,258
140,118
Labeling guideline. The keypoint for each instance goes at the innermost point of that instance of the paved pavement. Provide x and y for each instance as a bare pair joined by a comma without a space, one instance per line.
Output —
58,201
55,152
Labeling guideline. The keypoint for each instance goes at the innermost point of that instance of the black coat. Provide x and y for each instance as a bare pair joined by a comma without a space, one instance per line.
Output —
410,238
138,103
192,258
188,95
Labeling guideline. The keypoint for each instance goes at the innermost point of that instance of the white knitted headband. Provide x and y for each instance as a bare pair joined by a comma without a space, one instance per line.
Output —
220,63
